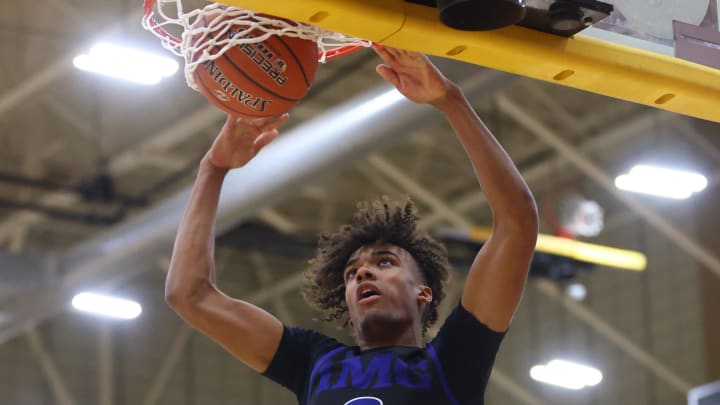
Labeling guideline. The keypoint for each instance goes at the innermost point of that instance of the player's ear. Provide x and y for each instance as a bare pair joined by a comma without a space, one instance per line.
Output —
351,328
425,294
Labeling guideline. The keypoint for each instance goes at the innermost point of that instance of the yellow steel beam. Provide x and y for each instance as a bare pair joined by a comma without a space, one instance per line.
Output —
368,19
581,62
582,251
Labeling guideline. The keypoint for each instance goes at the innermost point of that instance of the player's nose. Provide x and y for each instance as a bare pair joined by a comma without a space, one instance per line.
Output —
365,272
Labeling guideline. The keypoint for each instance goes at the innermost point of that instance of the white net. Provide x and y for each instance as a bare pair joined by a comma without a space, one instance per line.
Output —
203,31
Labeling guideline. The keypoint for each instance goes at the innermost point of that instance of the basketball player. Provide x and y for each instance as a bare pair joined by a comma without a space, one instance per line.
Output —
381,275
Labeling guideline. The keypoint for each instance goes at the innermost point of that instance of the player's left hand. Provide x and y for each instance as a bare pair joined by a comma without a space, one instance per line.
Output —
412,74
240,139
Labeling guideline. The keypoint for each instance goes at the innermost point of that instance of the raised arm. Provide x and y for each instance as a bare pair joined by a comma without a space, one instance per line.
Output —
248,332
497,277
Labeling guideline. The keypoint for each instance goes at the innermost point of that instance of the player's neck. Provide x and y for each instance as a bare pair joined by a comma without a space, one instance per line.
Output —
410,336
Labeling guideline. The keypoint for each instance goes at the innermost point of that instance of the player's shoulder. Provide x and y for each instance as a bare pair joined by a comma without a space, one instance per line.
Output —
303,333
311,340
461,324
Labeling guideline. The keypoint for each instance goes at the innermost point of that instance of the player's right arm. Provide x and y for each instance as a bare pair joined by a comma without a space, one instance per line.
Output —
248,332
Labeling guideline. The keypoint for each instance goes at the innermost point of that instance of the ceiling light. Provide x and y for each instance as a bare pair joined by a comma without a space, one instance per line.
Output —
566,374
661,182
106,305
126,63
577,291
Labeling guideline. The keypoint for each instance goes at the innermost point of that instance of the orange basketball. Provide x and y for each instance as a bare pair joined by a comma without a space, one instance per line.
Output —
260,79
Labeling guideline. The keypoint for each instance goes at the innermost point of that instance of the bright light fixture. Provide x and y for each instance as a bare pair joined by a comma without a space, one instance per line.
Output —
566,374
106,305
576,291
126,63
661,182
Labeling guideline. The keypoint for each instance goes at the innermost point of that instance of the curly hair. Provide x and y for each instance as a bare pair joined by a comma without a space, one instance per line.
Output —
379,221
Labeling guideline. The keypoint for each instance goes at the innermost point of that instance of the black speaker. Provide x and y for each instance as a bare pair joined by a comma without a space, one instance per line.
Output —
480,15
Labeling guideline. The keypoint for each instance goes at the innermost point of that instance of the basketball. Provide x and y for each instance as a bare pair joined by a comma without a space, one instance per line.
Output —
261,79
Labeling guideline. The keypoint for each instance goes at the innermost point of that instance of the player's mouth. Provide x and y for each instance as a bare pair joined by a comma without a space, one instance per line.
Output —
367,293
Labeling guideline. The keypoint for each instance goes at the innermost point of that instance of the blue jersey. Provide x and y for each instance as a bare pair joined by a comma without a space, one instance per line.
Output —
452,369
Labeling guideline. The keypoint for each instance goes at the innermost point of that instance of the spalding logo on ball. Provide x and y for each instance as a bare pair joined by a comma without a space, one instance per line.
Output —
262,79
364,401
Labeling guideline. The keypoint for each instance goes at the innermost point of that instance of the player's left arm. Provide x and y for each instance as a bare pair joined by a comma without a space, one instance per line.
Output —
497,277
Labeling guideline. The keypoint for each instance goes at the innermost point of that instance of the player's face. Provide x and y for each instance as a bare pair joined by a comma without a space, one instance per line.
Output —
383,288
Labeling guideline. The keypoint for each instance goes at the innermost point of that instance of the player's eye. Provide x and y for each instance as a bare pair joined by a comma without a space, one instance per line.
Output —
384,262
350,274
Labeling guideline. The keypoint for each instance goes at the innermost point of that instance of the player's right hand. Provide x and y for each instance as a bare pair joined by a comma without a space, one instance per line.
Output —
413,75
240,139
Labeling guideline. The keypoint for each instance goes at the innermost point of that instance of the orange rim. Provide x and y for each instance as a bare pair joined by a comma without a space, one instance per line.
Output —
340,51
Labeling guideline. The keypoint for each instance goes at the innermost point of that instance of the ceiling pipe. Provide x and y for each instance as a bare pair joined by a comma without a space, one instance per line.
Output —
303,154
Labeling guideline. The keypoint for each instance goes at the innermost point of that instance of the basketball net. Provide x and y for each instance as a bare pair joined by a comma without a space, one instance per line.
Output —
198,43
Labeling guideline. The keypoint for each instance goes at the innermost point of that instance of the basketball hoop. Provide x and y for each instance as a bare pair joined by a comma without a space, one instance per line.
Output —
195,41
